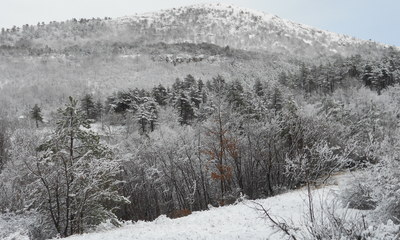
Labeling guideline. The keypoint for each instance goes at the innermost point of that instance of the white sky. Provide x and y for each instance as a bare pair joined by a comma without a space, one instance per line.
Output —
367,19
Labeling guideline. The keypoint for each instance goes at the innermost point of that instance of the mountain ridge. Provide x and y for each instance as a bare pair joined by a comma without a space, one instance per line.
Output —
266,17
217,23
306,34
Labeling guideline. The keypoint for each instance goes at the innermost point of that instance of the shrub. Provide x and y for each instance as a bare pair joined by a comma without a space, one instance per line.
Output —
358,196
178,213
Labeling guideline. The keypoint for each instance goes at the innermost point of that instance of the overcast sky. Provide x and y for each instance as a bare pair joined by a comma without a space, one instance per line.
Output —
378,20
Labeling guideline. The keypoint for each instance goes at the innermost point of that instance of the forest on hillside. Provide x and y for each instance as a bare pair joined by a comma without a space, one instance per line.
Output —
136,153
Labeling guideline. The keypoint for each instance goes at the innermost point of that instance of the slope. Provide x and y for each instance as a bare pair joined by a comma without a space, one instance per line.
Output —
242,28
221,24
241,221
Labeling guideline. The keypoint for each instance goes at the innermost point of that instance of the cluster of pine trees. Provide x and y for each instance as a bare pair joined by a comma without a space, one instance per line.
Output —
344,72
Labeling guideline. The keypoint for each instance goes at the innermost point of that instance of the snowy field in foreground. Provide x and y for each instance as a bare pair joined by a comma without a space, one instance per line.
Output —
240,221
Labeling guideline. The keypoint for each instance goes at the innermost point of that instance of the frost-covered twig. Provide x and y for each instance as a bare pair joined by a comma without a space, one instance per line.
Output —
283,226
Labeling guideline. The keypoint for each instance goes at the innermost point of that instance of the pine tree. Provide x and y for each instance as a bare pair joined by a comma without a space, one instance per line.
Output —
283,79
185,108
258,88
76,175
235,95
200,85
368,75
88,106
310,80
218,85
99,109
36,114
177,86
189,82
160,95
303,76
143,119
4,142
195,97
120,102
153,114
276,99
209,86
147,116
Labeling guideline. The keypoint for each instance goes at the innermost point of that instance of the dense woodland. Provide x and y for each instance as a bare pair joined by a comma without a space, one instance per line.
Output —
88,134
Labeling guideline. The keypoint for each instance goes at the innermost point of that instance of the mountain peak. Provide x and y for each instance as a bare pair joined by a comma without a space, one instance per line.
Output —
227,24
215,23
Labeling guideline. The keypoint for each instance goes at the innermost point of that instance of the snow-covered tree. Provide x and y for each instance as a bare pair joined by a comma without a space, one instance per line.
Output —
76,182
185,108
36,114
160,95
88,106
4,142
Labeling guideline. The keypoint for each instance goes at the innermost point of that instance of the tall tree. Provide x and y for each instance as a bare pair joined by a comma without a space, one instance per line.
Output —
76,175
189,82
143,119
36,114
258,88
88,106
185,108
147,116
235,95
4,142
218,150
160,95
99,109
368,75
276,100
200,85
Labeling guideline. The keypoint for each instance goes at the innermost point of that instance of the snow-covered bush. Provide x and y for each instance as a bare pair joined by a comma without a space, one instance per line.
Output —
18,226
358,195
315,162
14,179
383,231
335,222
386,186
39,229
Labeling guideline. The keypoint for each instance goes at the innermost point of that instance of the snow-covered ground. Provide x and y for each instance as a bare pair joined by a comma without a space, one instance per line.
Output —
243,220
240,221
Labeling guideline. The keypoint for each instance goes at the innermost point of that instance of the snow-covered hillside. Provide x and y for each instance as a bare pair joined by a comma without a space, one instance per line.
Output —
244,220
220,24
240,221
242,28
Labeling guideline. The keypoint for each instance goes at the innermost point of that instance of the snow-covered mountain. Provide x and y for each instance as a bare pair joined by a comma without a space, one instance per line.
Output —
220,24
241,28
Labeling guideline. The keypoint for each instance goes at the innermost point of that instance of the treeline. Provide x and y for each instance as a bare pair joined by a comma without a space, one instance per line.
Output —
23,36
344,72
